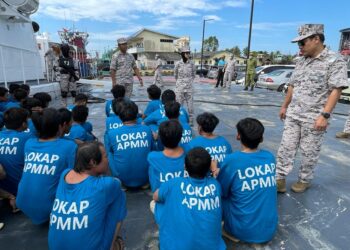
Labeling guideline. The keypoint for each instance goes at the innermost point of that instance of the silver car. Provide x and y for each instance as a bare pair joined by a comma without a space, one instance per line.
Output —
276,80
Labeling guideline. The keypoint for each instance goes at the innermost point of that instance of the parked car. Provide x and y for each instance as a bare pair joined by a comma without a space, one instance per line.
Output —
276,80
345,94
213,72
239,74
205,69
168,69
266,69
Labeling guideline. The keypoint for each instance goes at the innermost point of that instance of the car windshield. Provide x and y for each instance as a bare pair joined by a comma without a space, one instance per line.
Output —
276,72
258,68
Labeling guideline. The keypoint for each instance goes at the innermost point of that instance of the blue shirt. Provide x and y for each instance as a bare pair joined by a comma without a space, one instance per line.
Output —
108,108
129,147
31,129
13,104
44,162
217,147
78,132
88,127
163,168
249,195
70,107
12,158
152,106
85,215
221,63
3,106
1,120
155,118
190,217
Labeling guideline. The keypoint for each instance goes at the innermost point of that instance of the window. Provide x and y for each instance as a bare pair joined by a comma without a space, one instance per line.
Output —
166,40
39,46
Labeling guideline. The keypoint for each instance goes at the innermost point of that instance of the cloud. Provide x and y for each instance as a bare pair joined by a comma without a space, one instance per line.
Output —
236,3
270,26
214,17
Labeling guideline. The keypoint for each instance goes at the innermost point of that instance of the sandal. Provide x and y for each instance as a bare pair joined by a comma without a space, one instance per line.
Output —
119,243
12,201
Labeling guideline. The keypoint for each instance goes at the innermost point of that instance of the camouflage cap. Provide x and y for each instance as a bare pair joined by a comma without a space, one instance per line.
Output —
185,49
307,30
122,40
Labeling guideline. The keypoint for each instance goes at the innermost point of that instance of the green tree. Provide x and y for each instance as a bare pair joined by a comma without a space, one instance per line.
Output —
211,44
245,52
107,55
236,51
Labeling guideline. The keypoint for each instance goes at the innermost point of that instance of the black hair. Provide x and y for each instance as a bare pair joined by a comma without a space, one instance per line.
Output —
207,121
88,151
44,98
3,91
81,97
128,111
168,95
47,123
117,105
320,36
30,103
251,132
172,110
197,162
65,50
154,92
26,87
118,91
20,94
80,113
13,87
170,133
15,117
65,115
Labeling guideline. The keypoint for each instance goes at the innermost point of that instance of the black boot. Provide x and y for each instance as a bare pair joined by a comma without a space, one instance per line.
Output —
64,94
245,89
251,88
74,93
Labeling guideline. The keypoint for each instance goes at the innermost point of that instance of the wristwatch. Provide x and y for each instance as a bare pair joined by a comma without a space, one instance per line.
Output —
326,115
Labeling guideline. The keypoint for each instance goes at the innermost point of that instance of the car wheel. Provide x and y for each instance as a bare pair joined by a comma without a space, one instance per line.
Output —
281,88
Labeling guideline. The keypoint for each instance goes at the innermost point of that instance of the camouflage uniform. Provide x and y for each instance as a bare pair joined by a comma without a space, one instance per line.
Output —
124,65
67,83
158,79
184,75
347,125
251,65
312,81
229,72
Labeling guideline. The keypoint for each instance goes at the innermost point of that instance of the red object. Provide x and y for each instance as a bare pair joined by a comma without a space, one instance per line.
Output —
268,80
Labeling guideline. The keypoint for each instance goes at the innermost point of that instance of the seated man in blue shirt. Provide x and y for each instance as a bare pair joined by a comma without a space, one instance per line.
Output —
12,88
169,163
32,105
3,98
12,141
217,146
89,206
154,93
190,214
129,146
172,112
153,120
77,131
19,96
248,183
118,91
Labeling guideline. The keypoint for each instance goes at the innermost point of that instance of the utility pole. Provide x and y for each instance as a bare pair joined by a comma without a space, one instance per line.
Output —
204,20
249,39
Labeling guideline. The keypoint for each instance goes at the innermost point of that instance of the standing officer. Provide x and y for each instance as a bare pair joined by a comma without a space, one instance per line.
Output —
122,67
251,65
185,72
220,78
68,76
346,132
158,72
229,70
313,92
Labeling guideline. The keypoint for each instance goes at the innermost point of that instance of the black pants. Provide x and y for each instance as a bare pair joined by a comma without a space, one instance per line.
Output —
220,78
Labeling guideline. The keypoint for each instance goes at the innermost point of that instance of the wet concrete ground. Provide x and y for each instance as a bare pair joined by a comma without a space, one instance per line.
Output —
316,219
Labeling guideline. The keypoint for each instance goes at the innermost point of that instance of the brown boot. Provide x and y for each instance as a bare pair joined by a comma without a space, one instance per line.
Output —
300,187
281,186
343,135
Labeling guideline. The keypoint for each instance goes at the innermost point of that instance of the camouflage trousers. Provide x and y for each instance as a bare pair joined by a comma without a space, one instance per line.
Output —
300,135
347,125
66,85
187,97
128,89
158,78
227,79
250,80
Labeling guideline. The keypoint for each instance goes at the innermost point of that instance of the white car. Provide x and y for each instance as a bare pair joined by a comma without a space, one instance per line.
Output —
276,80
345,94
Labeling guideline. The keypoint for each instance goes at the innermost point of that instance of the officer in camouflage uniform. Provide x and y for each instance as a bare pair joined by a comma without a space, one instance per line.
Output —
158,79
229,70
68,72
123,66
313,91
185,72
251,65
346,132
